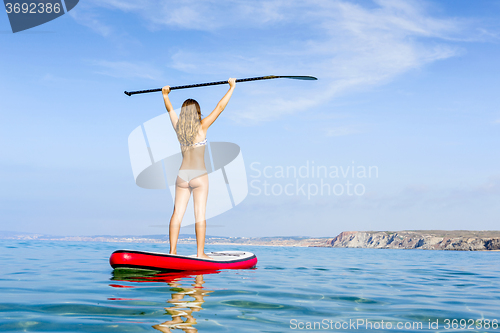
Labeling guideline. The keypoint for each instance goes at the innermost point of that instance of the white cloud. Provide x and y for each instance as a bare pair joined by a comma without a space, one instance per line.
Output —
214,63
92,21
347,45
206,15
124,5
124,69
341,131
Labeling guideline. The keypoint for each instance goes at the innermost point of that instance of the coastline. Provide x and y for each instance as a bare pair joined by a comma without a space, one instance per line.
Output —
450,240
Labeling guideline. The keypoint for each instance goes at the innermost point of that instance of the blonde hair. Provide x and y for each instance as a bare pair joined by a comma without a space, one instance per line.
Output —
189,123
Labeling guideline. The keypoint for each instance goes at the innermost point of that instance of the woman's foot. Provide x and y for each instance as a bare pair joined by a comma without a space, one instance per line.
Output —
203,256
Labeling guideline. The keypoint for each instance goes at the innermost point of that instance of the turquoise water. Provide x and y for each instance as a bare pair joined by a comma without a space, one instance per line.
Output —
70,287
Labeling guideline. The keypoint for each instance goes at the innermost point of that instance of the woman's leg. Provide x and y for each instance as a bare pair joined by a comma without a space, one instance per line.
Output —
182,194
200,194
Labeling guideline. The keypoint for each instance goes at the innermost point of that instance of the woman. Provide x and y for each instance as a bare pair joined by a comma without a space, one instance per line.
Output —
192,177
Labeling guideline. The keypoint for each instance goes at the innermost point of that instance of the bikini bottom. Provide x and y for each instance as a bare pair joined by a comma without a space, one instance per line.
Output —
188,175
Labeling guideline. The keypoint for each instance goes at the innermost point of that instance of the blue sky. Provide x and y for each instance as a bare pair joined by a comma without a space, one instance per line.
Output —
409,87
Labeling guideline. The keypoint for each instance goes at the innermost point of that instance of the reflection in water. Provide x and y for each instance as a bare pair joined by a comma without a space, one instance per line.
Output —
182,307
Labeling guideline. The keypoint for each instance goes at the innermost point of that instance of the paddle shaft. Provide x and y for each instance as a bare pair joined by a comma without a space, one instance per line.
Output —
130,93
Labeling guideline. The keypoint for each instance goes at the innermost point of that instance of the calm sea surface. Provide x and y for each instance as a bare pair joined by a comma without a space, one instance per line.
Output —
70,287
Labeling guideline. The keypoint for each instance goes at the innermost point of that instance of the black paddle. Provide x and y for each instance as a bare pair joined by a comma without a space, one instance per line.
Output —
130,93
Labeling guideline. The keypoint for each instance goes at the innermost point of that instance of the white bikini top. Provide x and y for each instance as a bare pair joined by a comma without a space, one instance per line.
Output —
201,143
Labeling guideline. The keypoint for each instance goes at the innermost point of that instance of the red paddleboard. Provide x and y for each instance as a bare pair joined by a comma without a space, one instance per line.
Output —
174,262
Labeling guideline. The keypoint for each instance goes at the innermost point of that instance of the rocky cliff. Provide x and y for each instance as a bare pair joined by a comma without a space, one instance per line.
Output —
459,240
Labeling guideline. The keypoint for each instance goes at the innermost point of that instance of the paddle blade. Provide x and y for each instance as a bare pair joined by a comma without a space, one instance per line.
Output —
299,77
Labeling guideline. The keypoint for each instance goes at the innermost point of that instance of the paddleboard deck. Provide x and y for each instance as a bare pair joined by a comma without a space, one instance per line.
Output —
172,262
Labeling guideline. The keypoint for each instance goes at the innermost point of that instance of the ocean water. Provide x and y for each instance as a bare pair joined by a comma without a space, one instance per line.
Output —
70,287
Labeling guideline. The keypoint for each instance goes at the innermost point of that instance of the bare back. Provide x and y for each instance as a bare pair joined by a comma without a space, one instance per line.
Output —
193,157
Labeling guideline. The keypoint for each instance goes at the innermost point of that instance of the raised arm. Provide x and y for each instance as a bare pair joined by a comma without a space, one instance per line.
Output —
173,116
209,120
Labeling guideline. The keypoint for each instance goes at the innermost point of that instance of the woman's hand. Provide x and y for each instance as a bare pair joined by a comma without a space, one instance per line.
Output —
232,82
166,90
